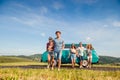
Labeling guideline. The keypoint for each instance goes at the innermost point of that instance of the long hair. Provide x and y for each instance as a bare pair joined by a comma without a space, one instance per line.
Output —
89,46
73,46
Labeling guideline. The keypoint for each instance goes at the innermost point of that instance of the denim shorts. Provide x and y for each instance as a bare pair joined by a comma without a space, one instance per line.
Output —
81,58
89,58
51,53
73,56
58,54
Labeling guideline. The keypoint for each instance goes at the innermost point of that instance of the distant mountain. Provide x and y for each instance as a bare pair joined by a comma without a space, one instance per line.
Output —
109,60
35,57
9,59
20,58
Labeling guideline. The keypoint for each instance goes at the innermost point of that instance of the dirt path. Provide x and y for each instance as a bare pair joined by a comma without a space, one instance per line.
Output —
63,66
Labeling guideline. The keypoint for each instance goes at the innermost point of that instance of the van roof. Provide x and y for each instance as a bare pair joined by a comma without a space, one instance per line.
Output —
77,45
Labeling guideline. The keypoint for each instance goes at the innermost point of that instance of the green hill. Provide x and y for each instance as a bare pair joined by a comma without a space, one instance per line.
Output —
20,58
35,57
9,59
109,60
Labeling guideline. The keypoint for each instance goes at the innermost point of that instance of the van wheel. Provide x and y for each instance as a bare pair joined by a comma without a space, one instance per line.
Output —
85,63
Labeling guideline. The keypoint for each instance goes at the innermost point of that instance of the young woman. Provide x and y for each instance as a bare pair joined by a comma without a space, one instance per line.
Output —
89,54
50,49
80,50
73,52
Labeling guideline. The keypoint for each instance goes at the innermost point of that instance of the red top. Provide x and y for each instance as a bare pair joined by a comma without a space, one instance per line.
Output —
50,46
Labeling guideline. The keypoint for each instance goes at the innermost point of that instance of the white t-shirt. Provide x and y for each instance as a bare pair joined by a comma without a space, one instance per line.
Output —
80,50
73,50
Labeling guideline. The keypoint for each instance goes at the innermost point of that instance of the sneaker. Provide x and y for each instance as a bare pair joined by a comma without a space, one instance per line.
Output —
52,68
80,67
58,69
48,66
87,66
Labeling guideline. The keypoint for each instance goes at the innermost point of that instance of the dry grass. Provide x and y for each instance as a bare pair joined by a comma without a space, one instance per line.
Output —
47,74
63,74
22,63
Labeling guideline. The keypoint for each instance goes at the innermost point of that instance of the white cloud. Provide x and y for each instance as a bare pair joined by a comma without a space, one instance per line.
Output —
43,10
58,5
88,39
19,51
90,1
105,25
43,34
26,21
86,1
37,21
116,23
21,6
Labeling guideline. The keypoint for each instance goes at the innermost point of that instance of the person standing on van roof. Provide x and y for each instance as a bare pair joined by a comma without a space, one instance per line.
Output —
89,54
73,52
59,46
80,50
50,49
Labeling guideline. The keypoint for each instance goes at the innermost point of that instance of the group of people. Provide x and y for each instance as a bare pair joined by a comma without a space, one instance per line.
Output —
79,52
55,47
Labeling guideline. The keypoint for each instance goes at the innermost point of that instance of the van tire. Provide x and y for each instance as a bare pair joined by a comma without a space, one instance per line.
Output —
85,63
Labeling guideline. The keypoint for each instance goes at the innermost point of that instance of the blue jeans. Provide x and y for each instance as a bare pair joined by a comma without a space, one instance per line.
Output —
58,54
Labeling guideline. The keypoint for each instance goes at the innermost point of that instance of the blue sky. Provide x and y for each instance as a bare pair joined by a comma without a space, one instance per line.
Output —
25,25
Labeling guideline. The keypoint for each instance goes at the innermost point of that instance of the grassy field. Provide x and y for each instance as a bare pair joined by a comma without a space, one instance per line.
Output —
39,63
105,65
22,63
47,74
63,74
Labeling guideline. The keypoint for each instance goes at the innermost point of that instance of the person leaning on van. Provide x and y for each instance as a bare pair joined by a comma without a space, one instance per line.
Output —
73,52
89,54
80,50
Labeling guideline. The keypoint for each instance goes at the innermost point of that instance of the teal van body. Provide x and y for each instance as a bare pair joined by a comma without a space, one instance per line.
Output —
66,55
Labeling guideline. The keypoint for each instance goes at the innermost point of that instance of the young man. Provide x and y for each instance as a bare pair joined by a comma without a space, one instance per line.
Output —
80,50
59,46
50,49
